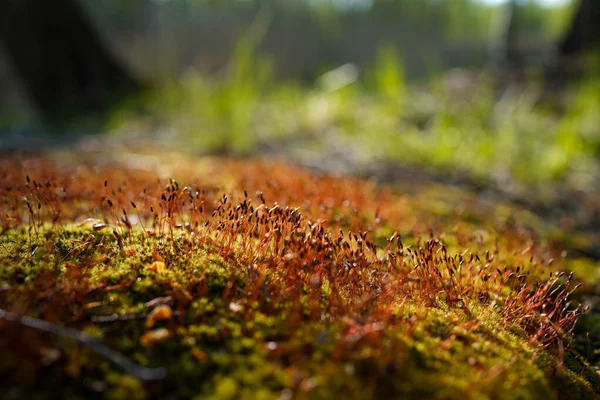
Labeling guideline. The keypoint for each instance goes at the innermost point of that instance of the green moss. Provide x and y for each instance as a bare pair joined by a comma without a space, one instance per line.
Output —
437,355
286,307
125,387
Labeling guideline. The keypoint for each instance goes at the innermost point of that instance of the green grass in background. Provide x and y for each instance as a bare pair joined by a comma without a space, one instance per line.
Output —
519,134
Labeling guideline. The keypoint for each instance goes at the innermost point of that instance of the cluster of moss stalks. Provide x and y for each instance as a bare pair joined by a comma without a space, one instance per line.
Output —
261,280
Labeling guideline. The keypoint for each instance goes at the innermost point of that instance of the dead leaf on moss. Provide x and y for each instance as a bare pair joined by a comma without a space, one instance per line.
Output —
160,313
155,336
158,266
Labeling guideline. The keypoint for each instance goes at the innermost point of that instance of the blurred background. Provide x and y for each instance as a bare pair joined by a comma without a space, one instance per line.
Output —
486,90
159,38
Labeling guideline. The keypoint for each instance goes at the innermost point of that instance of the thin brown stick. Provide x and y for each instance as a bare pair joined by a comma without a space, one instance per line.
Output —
142,373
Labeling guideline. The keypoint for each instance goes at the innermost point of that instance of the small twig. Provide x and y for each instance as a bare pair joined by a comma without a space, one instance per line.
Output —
142,373
122,318
117,318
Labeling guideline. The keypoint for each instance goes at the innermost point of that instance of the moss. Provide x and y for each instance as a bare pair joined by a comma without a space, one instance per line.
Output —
269,300
123,387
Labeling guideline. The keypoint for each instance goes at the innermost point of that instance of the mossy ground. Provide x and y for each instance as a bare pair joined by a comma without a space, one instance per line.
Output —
248,279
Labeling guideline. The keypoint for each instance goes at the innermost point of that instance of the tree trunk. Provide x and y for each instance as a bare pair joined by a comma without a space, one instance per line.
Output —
64,66
504,51
584,31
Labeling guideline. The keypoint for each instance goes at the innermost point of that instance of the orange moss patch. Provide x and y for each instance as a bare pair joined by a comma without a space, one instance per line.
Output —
282,282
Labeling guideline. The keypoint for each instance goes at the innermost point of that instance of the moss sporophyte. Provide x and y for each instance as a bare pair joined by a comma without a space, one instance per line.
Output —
262,280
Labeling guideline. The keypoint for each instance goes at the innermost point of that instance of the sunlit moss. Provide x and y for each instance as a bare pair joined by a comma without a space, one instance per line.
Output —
312,287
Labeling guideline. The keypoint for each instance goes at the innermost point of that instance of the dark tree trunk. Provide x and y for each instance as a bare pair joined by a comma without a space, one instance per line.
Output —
584,32
504,51
64,66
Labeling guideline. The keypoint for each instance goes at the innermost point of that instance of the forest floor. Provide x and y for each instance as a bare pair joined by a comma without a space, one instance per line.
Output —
145,273
450,253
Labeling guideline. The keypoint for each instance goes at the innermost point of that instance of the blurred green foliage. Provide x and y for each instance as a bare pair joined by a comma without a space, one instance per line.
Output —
461,121
307,78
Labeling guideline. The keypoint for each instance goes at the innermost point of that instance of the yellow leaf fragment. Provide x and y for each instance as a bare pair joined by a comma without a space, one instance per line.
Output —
155,336
160,313
158,266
